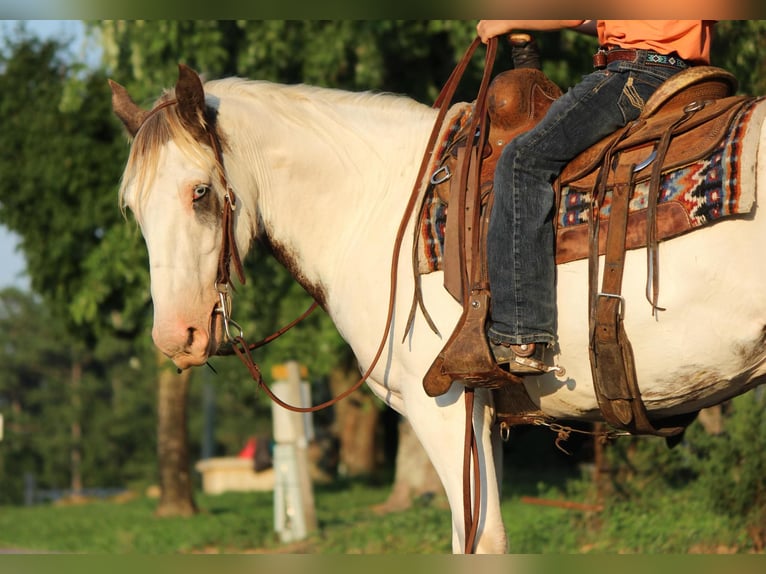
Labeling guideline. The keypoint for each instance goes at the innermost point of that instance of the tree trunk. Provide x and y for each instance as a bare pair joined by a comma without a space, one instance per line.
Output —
176,489
357,420
75,452
415,475
712,419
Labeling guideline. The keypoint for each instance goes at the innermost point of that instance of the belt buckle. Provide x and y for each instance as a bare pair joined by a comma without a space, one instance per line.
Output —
599,60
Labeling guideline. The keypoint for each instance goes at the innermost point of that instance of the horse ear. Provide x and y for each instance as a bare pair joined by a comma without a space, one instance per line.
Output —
126,109
191,100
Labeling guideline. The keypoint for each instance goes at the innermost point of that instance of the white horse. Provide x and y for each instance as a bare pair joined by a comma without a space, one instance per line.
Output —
323,176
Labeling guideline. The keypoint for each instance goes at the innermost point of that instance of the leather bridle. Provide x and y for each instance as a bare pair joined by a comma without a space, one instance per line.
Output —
229,255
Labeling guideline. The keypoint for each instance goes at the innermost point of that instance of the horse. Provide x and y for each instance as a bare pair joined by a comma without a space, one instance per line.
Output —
322,176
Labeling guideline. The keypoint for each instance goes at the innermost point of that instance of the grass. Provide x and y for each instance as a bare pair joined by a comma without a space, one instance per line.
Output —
227,523
238,523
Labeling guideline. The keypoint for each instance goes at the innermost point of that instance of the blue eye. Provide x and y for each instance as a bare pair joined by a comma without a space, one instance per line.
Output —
200,191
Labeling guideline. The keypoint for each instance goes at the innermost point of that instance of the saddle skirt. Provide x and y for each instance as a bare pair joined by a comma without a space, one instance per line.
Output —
707,171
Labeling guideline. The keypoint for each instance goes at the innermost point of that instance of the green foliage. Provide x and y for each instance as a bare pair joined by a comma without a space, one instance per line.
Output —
414,57
103,527
42,396
235,523
228,523
731,467
32,359
539,530
721,477
60,158
739,46
60,170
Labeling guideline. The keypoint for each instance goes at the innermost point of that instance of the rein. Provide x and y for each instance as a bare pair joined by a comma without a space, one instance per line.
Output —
230,255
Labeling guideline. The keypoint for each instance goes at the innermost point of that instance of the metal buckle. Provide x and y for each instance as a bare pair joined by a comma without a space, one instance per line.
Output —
442,179
224,308
694,106
613,296
230,197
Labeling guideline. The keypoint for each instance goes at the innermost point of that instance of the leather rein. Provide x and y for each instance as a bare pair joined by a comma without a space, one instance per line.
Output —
229,255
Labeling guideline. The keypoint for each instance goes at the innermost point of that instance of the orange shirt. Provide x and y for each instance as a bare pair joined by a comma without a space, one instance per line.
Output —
690,39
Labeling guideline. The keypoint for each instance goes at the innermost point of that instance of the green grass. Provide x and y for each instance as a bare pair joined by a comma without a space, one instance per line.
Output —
228,523
237,523
105,527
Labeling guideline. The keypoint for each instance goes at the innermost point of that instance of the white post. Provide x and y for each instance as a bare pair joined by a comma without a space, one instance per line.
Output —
294,512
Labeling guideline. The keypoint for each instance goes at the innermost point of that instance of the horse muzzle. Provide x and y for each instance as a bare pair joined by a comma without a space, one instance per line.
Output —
187,344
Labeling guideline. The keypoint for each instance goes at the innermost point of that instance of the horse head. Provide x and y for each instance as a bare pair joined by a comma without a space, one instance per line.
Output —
174,185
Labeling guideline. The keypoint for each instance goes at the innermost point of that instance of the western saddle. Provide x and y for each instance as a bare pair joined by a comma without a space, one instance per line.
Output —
683,120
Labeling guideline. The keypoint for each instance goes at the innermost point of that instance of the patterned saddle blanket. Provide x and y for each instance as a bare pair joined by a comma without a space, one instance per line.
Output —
693,194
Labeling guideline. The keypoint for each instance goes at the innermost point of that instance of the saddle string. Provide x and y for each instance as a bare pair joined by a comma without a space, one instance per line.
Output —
652,241
598,196
470,449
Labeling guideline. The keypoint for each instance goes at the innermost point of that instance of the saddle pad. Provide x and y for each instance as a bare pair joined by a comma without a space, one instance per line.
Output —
433,214
692,196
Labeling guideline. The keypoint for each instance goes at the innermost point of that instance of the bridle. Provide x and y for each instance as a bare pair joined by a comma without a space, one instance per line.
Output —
229,255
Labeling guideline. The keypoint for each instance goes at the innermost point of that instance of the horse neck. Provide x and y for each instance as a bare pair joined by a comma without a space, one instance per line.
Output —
324,180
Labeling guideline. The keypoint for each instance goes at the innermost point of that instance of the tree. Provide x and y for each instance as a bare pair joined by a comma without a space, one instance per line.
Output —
31,364
61,164
41,407
176,483
33,75
739,46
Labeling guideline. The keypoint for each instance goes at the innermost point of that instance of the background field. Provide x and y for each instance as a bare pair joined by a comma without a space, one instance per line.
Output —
642,513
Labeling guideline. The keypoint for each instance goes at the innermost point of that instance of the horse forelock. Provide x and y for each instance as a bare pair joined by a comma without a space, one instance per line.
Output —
146,148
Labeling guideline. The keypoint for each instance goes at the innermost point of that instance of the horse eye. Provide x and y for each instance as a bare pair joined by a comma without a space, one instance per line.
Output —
200,191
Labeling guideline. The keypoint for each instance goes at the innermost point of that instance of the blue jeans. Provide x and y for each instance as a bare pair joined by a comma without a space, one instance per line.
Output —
521,241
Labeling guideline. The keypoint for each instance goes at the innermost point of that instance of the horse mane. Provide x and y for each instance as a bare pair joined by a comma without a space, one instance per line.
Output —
334,105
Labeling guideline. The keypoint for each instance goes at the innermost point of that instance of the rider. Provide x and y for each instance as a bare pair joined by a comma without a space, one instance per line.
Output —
635,57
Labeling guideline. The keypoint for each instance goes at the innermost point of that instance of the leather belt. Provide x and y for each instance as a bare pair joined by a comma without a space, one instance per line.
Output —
604,57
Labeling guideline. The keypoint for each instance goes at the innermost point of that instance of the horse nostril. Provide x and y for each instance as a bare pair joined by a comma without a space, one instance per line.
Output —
190,336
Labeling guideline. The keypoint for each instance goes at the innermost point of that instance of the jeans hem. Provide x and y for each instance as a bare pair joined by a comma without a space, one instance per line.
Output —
542,338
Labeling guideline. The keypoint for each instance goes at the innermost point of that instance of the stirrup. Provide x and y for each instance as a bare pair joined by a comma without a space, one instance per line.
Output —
525,359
